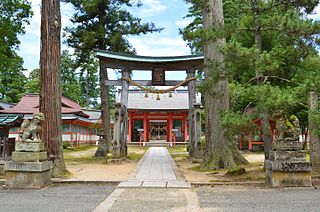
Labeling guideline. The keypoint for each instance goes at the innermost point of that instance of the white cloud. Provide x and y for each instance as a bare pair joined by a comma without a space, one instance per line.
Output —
183,22
157,45
316,13
150,8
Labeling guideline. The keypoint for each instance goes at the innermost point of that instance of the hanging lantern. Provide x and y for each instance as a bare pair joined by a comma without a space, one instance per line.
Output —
146,95
170,95
158,97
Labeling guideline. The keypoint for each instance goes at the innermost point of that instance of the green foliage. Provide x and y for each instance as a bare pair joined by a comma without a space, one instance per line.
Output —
236,122
33,84
288,62
69,79
104,25
14,15
66,144
88,79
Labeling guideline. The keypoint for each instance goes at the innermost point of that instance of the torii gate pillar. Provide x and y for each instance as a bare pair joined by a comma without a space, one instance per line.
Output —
192,100
120,149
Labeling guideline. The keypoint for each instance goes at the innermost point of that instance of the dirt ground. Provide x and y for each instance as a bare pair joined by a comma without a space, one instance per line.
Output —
192,173
83,166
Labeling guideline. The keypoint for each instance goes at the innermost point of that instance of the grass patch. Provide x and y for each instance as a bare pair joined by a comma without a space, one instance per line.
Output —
78,149
134,156
198,169
180,156
255,177
178,149
86,159
236,172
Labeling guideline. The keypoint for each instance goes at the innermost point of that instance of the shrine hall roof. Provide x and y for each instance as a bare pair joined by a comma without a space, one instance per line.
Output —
178,101
29,104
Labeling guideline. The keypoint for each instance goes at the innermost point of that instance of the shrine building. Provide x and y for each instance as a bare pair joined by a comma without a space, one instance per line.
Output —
168,113
156,109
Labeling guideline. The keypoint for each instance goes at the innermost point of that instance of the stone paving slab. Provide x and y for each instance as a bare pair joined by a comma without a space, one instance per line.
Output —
154,184
178,184
130,184
156,166
156,170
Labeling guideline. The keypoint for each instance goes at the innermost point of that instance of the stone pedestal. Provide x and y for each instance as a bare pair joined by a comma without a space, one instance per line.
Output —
29,167
1,167
287,165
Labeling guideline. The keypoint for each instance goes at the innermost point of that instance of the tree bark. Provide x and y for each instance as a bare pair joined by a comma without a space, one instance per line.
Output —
221,152
104,142
314,137
50,89
191,98
256,25
264,116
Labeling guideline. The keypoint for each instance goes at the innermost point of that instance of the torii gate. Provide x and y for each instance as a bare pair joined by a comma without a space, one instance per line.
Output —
158,66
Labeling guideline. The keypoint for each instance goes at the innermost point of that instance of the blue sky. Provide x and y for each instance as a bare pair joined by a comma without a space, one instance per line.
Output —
164,13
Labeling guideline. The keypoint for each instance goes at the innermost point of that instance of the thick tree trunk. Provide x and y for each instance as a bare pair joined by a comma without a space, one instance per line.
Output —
256,25
314,137
264,117
50,94
221,152
104,142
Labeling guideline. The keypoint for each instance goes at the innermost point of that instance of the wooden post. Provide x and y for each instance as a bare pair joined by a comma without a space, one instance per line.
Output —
104,141
196,131
250,140
124,102
170,128
185,127
140,138
192,100
116,150
130,127
145,127
313,133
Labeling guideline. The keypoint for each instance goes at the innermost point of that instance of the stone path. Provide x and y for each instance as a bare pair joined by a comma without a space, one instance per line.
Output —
156,170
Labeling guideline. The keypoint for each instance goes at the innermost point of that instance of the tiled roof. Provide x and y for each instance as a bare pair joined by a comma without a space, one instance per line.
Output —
178,101
29,104
8,119
146,59
4,105
93,114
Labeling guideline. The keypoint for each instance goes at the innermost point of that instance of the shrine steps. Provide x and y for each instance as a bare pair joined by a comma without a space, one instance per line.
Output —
157,143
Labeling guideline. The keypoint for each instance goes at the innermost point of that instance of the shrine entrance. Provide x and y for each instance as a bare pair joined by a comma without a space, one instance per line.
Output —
162,114
158,130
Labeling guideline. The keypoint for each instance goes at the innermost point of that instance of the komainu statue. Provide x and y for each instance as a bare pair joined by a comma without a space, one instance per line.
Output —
286,129
30,129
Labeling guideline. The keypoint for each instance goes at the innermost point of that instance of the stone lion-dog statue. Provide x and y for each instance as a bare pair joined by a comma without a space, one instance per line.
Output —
30,128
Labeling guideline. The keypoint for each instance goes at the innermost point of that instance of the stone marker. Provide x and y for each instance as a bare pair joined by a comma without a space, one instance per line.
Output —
287,164
29,167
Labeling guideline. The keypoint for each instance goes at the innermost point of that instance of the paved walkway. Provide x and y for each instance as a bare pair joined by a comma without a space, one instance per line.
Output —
157,170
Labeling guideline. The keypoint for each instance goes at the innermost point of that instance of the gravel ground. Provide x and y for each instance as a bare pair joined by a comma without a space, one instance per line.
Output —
72,197
243,198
